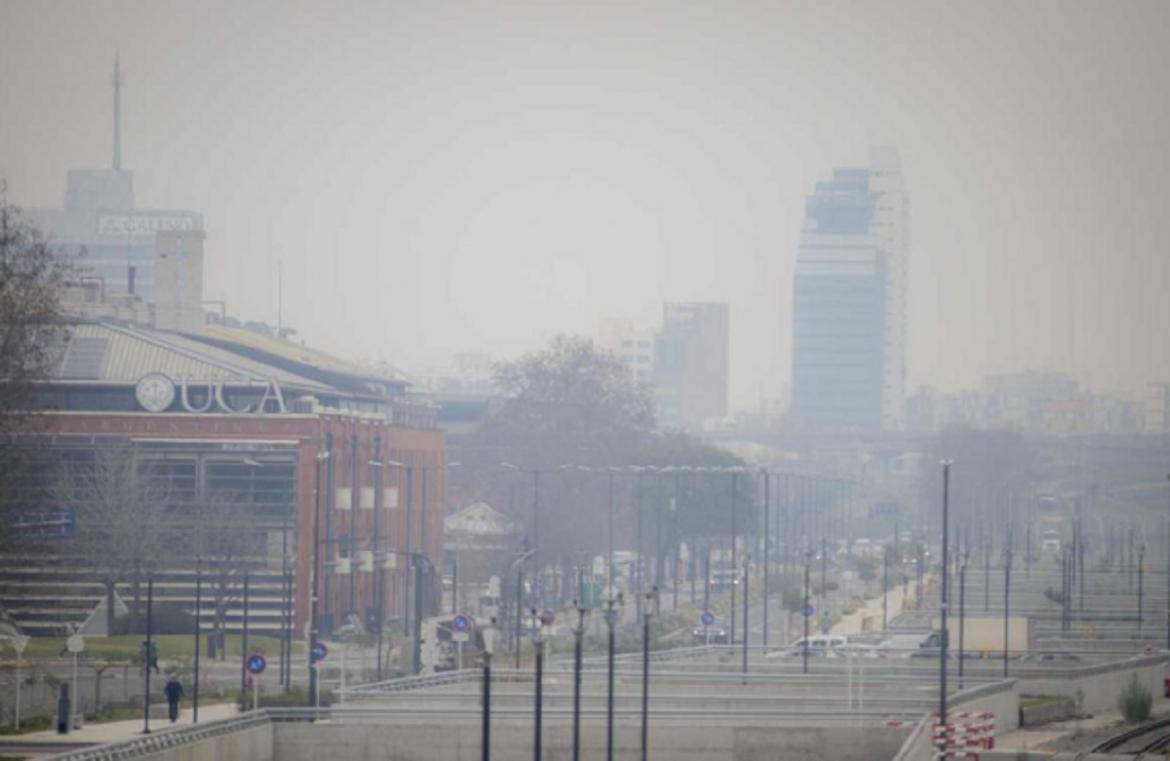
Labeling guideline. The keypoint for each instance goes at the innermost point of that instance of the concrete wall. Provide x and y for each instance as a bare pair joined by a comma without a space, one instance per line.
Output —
1100,685
253,743
513,742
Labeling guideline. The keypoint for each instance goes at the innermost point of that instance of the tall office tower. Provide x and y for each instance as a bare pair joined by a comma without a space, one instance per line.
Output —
849,321
691,364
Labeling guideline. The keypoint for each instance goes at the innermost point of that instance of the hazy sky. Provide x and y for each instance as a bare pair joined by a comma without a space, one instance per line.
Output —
451,176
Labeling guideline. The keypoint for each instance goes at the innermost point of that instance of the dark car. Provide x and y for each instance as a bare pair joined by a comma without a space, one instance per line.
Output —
717,632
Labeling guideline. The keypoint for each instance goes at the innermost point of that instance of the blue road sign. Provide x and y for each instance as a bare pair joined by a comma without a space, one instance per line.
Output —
461,623
256,664
319,652
707,618
807,611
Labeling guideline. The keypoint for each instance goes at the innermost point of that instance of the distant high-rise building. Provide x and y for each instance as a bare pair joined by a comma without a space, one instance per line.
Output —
634,347
691,364
105,236
849,321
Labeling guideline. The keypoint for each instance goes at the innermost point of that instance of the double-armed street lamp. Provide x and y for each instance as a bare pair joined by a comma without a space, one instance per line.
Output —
613,613
651,596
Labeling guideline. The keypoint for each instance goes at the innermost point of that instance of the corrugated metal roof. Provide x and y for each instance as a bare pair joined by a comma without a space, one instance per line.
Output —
300,353
131,353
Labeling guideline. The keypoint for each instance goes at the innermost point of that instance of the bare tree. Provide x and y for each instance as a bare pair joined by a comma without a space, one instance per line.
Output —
226,544
121,517
32,280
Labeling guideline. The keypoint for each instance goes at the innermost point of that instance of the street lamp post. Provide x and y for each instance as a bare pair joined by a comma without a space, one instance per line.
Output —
148,660
746,630
538,703
1007,590
578,636
198,605
942,664
653,593
612,613
734,535
316,572
518,569
767,535
806,613
962,609
486,723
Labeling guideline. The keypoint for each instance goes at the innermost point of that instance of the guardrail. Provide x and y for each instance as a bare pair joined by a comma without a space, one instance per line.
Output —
161,741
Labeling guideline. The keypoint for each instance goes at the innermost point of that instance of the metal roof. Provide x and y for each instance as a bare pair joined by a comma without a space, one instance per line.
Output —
111,353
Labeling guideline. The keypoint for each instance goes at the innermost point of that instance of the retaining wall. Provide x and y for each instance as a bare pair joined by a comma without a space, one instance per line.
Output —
1099,685
513,742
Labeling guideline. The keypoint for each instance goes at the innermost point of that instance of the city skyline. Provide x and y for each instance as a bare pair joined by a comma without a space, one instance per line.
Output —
429,215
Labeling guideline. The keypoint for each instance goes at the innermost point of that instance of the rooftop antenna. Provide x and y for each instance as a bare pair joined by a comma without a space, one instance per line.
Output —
117,115
279,298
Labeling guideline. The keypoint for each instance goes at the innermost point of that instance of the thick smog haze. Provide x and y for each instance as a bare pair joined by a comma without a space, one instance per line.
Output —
437,178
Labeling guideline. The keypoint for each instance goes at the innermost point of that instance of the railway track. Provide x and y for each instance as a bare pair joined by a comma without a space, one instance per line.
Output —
1148,738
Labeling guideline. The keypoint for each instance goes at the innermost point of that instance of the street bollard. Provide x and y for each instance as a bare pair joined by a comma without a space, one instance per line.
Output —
63,710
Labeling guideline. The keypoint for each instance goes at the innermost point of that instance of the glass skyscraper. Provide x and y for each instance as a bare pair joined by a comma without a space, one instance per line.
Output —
849,301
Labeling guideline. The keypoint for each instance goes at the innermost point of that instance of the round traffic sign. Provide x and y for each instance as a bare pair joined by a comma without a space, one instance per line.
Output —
547,617
807,611
707,618
75,643
319,652
461,623
257,663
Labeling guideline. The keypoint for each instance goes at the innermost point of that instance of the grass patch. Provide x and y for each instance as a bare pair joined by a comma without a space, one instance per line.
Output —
1028,701
29,724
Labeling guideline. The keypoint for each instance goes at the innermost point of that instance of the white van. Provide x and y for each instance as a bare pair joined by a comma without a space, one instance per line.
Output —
821,644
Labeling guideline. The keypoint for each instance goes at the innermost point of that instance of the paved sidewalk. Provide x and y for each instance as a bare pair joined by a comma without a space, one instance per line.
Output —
112,731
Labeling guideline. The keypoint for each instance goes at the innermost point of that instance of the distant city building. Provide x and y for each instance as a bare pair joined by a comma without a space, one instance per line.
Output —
1032,402
849,321
117,247
634,347
691,364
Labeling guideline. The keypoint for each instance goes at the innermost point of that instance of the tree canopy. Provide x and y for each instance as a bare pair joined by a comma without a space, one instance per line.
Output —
573,419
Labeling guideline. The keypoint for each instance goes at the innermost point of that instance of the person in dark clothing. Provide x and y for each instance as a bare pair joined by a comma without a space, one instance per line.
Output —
174,693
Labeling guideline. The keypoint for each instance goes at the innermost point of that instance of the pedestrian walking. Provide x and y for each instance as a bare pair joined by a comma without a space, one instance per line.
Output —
174,692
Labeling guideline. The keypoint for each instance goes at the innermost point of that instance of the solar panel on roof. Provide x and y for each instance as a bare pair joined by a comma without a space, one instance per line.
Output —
84,357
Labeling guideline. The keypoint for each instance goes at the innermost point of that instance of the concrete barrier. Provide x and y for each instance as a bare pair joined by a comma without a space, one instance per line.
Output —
1046,712
1097,687
512,741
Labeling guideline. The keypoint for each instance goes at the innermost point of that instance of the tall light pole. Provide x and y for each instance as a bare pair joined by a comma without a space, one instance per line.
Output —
767,535
538,699
734,557
746,630
806,612
942,664
646,673
489,638
578,637
315,564
612,614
